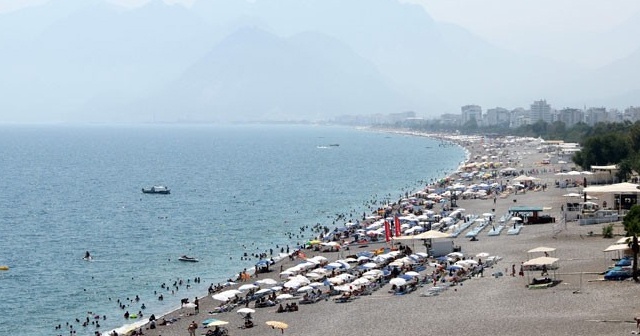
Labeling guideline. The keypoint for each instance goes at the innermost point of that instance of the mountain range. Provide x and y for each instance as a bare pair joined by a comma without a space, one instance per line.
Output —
267,60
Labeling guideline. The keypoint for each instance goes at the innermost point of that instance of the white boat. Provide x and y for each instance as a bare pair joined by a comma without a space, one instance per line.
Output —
157,190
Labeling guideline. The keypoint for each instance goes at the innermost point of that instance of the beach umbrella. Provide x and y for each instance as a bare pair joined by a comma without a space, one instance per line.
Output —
304,289
264,291
516,218
361,281
267,281
284,297
277,324
220,297
245,311
247,287
482,255
455,254
334,265
369,265
412,273
276,288
398,281
292,284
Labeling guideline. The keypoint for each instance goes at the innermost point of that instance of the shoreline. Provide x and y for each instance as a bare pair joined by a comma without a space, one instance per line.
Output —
144,324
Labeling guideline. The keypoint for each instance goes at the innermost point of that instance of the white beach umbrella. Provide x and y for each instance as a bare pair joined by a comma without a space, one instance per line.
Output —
304,289
264,291
245,311
369,265
267,281
412,273
482,255
247,287
220,297
284,297
398,281
292,284
361,281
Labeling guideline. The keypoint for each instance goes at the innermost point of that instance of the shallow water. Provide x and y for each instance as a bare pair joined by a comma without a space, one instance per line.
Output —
234,189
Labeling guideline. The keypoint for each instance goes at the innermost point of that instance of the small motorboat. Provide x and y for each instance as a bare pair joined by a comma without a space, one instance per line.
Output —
163,190
87,256
188,259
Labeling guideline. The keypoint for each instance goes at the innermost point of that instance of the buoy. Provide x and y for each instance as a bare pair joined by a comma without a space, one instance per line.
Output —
4,268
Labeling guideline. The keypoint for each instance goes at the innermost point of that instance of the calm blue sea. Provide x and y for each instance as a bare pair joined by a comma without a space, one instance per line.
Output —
234,189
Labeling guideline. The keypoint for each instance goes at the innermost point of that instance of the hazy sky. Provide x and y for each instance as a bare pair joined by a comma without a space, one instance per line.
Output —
542,27
555,29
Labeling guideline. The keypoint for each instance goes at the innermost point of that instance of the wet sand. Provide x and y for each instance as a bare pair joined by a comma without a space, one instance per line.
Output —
581,304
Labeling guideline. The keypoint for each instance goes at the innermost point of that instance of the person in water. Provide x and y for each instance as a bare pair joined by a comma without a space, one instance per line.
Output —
87,255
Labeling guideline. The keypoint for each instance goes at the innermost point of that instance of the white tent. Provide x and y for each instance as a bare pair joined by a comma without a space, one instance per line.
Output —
550,263
541,249
624,187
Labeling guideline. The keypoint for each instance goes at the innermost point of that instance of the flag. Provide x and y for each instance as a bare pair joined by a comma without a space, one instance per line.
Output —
396,222
387,231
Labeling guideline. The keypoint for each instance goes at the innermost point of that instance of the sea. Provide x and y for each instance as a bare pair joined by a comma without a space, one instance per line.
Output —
236,191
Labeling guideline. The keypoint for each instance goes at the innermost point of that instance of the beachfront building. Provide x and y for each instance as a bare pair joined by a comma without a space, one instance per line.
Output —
595,115
519,117
540,110
451,119
631,113
497,116
569,116
471,112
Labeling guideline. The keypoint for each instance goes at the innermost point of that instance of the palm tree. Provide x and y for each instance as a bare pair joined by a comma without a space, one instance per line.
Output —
631,224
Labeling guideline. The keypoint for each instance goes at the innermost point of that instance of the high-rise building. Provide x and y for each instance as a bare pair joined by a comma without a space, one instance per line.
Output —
595,115
570,116
471,112
540,110
497,116
631,113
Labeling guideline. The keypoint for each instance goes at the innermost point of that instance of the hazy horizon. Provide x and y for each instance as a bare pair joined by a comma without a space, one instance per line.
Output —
230,60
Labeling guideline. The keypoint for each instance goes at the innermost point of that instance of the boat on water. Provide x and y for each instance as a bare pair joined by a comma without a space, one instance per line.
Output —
188,259
87,256
157,190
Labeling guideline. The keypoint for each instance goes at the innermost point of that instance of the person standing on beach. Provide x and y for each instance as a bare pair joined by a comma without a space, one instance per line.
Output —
192,328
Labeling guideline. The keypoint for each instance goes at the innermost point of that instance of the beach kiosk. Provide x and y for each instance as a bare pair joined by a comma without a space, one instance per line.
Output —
531,214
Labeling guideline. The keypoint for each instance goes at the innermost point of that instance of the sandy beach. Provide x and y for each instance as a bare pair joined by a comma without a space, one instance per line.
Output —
581,304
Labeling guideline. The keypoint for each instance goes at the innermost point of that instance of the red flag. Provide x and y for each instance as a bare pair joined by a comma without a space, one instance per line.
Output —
387,231
397,225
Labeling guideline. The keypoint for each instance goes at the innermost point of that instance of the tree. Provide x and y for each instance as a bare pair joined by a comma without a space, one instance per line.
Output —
631,224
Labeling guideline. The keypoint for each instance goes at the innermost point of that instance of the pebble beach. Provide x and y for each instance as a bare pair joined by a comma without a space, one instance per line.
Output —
582,303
